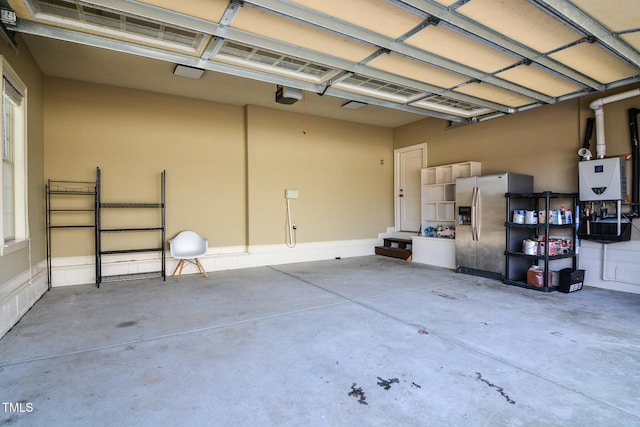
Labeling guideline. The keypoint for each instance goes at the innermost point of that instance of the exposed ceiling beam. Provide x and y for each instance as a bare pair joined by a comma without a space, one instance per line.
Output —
33,28
332,24
233,8
471,27
212,49
432,12
136,8
394,105
342,64
8,36
570,13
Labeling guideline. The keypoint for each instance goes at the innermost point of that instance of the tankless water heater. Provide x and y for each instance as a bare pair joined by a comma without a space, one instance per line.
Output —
602,179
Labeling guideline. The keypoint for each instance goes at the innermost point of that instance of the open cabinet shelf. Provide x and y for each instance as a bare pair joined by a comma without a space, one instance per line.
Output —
439,191
438,210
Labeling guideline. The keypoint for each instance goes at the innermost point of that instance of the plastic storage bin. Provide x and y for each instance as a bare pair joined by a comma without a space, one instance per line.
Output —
570,280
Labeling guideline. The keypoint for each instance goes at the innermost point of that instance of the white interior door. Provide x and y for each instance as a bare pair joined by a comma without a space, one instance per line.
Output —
409,162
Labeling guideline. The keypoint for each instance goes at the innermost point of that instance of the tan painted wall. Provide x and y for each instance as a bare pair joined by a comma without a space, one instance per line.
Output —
616,121
227,166
24,65
542,142
528,143
134,135
345,192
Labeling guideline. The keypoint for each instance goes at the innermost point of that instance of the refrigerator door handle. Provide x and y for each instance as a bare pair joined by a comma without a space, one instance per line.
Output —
474,210
478,204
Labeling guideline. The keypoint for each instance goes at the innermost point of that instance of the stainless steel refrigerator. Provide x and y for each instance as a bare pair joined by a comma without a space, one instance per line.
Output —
481,217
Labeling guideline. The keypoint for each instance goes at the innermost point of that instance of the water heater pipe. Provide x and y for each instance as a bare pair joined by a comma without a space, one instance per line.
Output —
596,106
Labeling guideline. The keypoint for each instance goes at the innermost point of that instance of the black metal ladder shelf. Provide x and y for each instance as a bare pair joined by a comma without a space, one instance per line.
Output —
517,262
126,207
67,205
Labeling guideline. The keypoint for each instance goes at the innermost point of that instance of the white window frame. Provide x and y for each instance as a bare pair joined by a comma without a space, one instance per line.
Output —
21,224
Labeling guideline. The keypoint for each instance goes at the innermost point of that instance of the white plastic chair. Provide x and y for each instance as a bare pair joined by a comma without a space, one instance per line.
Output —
188,246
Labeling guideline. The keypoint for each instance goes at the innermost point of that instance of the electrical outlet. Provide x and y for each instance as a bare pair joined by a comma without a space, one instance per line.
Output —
290,194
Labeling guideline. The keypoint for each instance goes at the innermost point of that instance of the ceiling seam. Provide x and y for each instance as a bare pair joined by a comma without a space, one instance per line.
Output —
465,26
326,23
334,62
214,29
27,27
211,39
571,14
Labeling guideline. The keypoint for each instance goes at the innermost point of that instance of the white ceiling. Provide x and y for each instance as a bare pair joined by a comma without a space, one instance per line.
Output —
462,61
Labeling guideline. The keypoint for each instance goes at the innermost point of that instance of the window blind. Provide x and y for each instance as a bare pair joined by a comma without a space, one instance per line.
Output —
11,91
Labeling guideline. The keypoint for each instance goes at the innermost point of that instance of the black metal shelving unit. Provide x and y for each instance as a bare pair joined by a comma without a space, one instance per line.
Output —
123,207
67,202
517,262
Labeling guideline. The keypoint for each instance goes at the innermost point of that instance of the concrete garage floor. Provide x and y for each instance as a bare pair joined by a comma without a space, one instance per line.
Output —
359,341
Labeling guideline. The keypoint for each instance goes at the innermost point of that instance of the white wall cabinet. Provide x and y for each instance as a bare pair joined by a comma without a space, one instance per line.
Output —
439,191
439,208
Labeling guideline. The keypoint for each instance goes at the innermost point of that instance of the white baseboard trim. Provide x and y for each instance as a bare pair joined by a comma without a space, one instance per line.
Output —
70,271
19,294
302,252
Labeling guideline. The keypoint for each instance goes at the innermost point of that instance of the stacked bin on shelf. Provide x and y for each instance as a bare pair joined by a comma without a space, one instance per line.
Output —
519,260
